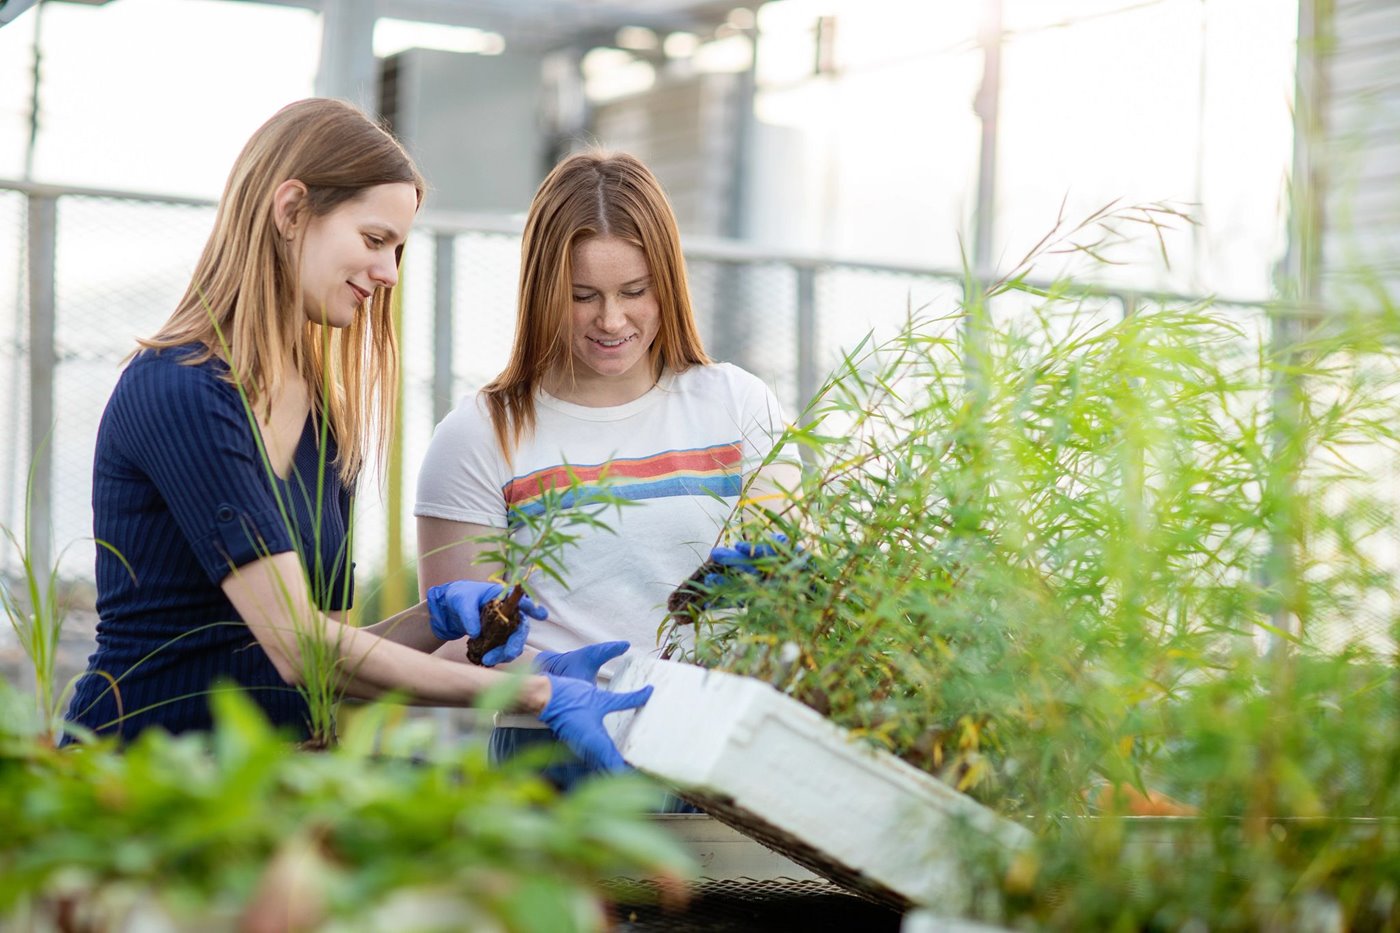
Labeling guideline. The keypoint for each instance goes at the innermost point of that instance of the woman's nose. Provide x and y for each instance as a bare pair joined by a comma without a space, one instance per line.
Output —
385,274
610,316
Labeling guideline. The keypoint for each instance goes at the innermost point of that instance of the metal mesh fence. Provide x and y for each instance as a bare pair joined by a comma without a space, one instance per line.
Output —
121,264
1356,546
854,302
746,314
121,267
487,267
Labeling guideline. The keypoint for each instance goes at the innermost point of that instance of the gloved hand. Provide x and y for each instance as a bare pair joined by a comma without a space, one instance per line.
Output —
575,715
455,611
581,663
744,557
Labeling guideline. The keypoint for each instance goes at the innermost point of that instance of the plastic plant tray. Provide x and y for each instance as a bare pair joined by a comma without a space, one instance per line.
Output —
785,776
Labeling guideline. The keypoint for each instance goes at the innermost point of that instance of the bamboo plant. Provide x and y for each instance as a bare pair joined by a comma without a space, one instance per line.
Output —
1065,558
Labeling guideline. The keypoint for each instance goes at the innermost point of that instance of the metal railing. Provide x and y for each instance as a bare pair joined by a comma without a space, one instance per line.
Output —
93,269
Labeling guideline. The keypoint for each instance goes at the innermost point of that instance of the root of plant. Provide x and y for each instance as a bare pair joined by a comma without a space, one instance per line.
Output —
687,599
499,620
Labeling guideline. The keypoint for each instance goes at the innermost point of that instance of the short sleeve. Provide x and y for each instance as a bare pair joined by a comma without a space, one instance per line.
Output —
763,423
464,474
188,431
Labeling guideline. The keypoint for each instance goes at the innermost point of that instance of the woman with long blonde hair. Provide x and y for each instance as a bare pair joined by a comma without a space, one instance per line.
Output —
607,384
228,454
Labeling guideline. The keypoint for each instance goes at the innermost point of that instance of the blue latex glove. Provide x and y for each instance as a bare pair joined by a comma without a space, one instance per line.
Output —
581,663
575,715
744,557
455,611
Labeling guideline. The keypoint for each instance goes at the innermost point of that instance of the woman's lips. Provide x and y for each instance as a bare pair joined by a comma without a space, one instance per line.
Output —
614,342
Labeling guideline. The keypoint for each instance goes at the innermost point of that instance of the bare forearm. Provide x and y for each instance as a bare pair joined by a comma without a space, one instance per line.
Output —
270,596
411,628
372,667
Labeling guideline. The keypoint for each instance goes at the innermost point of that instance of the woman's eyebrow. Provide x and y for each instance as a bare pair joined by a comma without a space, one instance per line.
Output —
389,231
637,281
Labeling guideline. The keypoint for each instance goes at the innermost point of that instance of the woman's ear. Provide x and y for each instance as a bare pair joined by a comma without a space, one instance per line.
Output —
287,203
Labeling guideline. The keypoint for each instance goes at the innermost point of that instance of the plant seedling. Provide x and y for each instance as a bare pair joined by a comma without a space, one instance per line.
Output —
540,532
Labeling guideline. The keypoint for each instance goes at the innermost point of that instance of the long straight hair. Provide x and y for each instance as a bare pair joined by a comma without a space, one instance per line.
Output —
244,303
588,194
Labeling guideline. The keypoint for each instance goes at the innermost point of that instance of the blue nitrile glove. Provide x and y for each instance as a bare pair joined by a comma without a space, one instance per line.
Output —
744,557
581,663
575,715
455,611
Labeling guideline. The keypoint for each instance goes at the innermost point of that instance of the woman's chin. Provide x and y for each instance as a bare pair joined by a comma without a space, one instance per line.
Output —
337,317
613,369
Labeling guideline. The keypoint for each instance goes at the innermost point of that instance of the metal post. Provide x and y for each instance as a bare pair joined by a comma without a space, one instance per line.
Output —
987,105
36,83
347,68
806,334
8,509
398,591
733,322
444,283
1300,288
975,301
43,240
806,349
745,128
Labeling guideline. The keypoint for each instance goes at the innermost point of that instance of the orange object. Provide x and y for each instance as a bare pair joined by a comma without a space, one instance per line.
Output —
1126,798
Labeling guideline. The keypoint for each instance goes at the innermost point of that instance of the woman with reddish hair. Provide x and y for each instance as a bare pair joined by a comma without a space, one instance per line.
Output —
607,383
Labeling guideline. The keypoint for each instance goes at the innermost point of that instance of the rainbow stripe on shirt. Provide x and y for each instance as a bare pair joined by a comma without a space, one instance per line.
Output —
714,470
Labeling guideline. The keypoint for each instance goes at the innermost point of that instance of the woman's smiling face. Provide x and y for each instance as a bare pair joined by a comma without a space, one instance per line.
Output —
348,254
615,320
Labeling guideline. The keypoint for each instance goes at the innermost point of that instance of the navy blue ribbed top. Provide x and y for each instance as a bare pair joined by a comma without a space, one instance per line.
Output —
180,491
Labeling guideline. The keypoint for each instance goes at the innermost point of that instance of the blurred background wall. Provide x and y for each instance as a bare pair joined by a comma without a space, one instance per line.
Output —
834,163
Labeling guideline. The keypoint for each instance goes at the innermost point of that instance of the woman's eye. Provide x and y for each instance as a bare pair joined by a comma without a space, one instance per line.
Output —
373,241
582,297
636,294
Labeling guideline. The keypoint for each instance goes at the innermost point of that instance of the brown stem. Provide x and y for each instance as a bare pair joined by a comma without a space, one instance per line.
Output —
511,604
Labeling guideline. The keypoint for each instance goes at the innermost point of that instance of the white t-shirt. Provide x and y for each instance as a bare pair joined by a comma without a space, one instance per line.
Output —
680,453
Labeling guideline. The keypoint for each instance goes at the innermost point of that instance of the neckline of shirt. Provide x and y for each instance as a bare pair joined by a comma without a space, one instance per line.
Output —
608,412
306,455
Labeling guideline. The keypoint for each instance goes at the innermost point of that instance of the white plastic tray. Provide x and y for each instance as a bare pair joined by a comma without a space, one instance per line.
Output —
782,774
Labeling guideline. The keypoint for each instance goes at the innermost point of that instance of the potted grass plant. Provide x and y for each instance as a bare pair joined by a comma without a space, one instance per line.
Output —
1079,564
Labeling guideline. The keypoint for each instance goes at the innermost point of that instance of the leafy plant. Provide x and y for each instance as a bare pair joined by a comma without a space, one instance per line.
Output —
388,830
1043,544
1292,765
